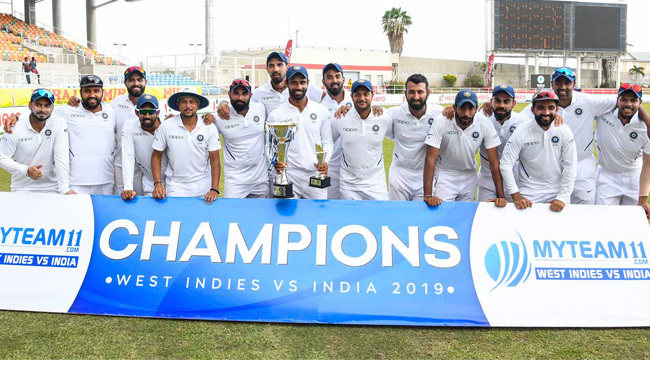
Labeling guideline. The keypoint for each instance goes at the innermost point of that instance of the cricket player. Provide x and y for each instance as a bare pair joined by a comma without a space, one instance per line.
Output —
623,150
410,125
36,153
313,127
137,141
335,98
363,176
505,121
450,164
547,158
92,129
245,162
192,151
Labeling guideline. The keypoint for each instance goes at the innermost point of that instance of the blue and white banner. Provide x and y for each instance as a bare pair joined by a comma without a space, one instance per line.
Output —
346,262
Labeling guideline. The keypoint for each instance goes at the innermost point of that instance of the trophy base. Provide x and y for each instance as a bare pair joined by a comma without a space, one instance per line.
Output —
283,191
321,183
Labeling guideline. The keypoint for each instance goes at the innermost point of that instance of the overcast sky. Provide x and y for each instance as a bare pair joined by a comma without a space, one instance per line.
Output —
441,29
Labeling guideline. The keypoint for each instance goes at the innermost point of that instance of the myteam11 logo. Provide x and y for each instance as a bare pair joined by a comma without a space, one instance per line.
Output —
508,263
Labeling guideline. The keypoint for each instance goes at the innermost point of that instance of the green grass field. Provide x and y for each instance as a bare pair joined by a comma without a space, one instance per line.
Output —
61,336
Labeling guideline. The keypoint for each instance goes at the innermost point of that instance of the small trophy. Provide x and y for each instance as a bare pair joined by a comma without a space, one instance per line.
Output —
280,136
320,180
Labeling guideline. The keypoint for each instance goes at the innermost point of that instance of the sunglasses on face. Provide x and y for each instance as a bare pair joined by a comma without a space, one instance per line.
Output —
633,87
148,111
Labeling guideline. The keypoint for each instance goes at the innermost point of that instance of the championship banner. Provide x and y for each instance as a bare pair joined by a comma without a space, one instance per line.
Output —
339,262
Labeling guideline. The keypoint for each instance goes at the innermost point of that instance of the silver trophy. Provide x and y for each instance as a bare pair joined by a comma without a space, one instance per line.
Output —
320,180
280,137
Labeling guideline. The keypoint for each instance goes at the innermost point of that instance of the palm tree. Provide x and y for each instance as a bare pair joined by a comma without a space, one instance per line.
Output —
636,71
395,23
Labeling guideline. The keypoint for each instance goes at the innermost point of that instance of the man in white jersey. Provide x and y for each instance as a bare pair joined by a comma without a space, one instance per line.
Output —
410,126
505,121
547,158
361,135
36,153
244,158
450,164
92,130
275,92
335,97
137,141
578,111
192,149
313,127
623,149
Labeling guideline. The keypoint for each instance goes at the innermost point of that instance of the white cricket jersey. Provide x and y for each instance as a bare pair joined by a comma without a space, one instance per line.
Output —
244,159
458,147
49,148
124,111
188,152
136,154
92,144
272,99
580,115
362,166
313,127
332,106
409,134
504,131
621,147
547,161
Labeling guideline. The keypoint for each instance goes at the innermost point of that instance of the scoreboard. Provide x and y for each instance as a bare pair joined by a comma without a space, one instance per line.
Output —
538,25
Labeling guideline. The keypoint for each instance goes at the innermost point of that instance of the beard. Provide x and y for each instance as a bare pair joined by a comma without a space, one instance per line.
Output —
147,122
334,89
91,103
41,117
466,121
417,104
135,93
240,105
502,114
538,119
298,94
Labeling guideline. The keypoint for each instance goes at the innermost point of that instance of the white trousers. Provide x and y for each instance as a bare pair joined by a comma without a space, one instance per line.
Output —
256,191
459,186
405,184
617,188
102,189
584,189
196,189
363,194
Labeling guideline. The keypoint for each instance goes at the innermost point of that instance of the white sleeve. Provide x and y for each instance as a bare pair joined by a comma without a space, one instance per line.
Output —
7,151
509,158
390,132
216,122
490,136
128,157
214,142
570,167
160,138
326,135
335,129
314,93
602,104
62,158
436,132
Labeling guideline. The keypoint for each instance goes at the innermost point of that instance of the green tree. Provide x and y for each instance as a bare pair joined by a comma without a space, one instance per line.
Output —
636,71
449,80
395,23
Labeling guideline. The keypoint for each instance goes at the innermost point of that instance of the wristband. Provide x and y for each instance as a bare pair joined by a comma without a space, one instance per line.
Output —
216,191
429,196
157,182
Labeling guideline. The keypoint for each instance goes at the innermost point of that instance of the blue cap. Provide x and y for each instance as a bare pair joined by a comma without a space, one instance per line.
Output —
563,72
297,69
466,96
361,82
279,55
636,89
333,65
42,94
505,88
146,98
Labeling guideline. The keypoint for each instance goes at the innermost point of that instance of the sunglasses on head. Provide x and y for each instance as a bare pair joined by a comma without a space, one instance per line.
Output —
134,68
564,71
148,111
46,93
240,82
545,94
633,87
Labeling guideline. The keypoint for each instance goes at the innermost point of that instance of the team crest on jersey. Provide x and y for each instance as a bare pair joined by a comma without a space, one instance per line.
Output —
256,119
633,135
555,139
348,104
579,111
48,132
430,121
105,115
313,116
475,135
512,128
200,138
375,128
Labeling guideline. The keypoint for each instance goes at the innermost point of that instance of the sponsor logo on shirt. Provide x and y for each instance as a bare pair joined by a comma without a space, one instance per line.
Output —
73,115
451,132
139,134
608,122
286,120
122,106
555,139
171,136
26,139
401,121
268,97
350,129
530,143
231,126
